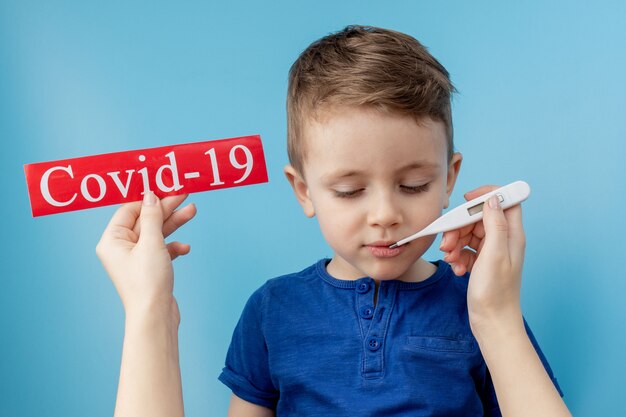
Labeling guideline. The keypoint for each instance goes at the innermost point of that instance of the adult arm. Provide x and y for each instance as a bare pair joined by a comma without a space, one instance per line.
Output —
496,256
133,252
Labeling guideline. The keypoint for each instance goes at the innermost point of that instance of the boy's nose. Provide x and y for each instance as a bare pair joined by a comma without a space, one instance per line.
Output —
384,212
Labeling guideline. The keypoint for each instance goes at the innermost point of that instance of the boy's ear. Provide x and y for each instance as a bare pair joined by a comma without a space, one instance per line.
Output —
453,172
300,189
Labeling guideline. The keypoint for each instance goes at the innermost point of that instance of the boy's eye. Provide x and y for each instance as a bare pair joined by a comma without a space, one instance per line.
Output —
348,194
414,189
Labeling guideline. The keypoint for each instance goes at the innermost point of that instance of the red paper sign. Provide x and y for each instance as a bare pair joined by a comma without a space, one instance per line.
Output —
120,177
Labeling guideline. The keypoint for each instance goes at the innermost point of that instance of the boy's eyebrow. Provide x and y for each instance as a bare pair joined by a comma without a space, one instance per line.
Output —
340,174
419,165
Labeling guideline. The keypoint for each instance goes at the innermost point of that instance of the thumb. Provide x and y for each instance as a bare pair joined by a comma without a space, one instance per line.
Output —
151,220
496,228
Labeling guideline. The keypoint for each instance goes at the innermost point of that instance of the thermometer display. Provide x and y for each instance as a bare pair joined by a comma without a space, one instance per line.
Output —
476,209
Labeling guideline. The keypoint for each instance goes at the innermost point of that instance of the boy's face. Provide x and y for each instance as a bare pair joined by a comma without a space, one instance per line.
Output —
372,179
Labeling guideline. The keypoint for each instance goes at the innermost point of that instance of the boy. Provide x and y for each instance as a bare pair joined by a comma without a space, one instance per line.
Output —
374,330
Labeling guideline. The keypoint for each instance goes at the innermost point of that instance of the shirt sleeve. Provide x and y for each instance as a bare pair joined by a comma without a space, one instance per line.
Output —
490,401
246,371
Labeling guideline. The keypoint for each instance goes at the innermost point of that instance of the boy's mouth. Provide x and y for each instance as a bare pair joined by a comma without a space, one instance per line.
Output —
380,249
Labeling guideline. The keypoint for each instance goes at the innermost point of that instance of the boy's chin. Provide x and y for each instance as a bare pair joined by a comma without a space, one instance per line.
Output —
404,268
415,271
387,271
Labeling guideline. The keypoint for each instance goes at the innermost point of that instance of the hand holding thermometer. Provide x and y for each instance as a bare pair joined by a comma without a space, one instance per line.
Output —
472,211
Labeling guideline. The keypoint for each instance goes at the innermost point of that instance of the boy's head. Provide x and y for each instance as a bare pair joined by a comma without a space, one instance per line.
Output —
370,146
363,66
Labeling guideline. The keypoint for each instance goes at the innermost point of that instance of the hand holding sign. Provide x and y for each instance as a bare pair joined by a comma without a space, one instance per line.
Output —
133,251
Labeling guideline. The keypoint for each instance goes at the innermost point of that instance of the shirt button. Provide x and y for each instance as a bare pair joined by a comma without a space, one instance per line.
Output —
367,312
362,286
374,343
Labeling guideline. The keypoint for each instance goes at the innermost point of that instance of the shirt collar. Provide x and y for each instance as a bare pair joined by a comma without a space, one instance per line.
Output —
442,270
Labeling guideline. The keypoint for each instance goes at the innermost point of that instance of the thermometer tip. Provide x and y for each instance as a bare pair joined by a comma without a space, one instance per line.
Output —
395,245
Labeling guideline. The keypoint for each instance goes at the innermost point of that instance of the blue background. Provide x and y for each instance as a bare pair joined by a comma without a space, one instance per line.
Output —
542,98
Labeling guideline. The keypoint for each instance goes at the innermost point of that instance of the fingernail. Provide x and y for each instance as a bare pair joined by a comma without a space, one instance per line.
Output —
149,199
494,203
443,240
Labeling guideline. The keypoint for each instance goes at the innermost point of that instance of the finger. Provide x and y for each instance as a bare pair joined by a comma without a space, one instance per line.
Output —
514,218
453,256
474,242
479,230
467,230
517,237
449,239
168,205
470,195
457,239
465,262
480,247
179,218
123,234
123,219
151,220
466,259
458,269
496,231
171,203
177,249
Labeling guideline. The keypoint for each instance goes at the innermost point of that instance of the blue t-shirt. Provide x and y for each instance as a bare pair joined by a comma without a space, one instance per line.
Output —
308,344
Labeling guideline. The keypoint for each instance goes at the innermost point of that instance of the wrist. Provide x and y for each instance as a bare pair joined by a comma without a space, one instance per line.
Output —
151,313
497,326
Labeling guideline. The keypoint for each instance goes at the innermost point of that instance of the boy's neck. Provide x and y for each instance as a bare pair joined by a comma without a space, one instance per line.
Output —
423,270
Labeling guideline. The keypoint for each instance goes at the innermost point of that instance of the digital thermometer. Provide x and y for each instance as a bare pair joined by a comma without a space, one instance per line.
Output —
472,211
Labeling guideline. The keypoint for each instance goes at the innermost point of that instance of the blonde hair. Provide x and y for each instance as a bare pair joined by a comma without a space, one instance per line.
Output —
371,67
